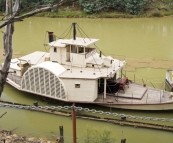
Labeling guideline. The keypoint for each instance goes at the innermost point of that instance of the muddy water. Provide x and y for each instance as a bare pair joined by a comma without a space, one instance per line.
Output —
146,45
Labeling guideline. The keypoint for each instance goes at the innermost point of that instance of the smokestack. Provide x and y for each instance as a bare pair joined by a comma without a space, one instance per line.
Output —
51,36
74,31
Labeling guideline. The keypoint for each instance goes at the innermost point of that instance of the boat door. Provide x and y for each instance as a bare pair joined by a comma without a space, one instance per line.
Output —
63,55
68,53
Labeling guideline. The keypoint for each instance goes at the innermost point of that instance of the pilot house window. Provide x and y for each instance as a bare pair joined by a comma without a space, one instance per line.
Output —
54,49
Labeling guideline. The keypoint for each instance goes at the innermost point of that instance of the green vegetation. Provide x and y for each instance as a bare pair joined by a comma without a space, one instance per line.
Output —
97,135
100,8
128,6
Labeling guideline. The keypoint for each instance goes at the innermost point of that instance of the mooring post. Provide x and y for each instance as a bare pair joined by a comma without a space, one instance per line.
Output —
132,99
61,135
147,98
123,140
74,123
160,96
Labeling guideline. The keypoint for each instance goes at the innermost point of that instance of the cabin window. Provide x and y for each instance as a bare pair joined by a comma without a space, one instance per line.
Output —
73,49
68,48
81,49
77,85
55,50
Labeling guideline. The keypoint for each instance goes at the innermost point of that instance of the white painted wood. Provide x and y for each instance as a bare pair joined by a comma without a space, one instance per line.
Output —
79,41
77,59
29,82
63,55
55,56
44,82
54,86
34,58
172,76
107,61
18,73
86,93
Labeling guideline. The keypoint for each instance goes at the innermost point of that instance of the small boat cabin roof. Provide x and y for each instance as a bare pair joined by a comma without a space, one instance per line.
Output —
78,42
34,58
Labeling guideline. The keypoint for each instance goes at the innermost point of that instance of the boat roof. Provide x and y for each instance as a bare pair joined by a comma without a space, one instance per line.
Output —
57,43
53,67
79,42
14,64
91,73
35,57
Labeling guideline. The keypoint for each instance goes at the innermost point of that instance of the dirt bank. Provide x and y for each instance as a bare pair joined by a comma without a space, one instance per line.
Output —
9,137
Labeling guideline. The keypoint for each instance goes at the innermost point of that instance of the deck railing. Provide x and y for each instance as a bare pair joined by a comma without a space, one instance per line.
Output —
15,78
90,53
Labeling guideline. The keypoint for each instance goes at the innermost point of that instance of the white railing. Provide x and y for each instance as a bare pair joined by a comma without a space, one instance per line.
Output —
14,78
90,53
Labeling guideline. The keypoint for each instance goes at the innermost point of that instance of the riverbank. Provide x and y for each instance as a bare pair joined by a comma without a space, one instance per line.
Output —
154,10
79,14
71,13
9,137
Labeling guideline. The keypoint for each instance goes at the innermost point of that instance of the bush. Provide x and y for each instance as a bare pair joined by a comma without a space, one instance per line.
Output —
97,135
129,6
156,14
135,6
2,5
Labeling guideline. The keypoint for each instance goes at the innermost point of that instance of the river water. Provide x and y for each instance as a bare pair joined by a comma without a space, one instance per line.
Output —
147,46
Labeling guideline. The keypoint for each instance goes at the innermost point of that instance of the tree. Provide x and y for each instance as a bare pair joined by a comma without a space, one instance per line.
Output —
12,12
7,40
128,6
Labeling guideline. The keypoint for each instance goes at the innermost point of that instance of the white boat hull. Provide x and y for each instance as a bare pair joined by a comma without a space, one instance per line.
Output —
112,103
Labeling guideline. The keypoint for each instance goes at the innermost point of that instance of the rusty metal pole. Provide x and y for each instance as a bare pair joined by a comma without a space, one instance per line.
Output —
74,123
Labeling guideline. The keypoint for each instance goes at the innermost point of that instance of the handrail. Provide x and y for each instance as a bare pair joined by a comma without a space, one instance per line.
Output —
90,53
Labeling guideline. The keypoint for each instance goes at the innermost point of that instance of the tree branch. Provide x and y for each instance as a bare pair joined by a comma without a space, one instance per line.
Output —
29,14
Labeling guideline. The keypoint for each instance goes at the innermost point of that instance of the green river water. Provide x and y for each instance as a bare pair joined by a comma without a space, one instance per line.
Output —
147,46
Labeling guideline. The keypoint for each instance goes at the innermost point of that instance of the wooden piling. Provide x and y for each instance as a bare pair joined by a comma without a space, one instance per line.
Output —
74,123
61,140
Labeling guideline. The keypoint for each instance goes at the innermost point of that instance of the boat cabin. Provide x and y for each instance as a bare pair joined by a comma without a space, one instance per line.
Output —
76,52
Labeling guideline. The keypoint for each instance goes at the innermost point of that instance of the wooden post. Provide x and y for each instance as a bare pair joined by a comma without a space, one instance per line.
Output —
147,98
104,88
61,135
132,99
74,124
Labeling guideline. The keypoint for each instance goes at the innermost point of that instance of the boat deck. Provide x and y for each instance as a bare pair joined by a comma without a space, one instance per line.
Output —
132,94
136,94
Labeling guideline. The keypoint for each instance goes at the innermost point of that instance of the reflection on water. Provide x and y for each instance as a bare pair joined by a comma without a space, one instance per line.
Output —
146,45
